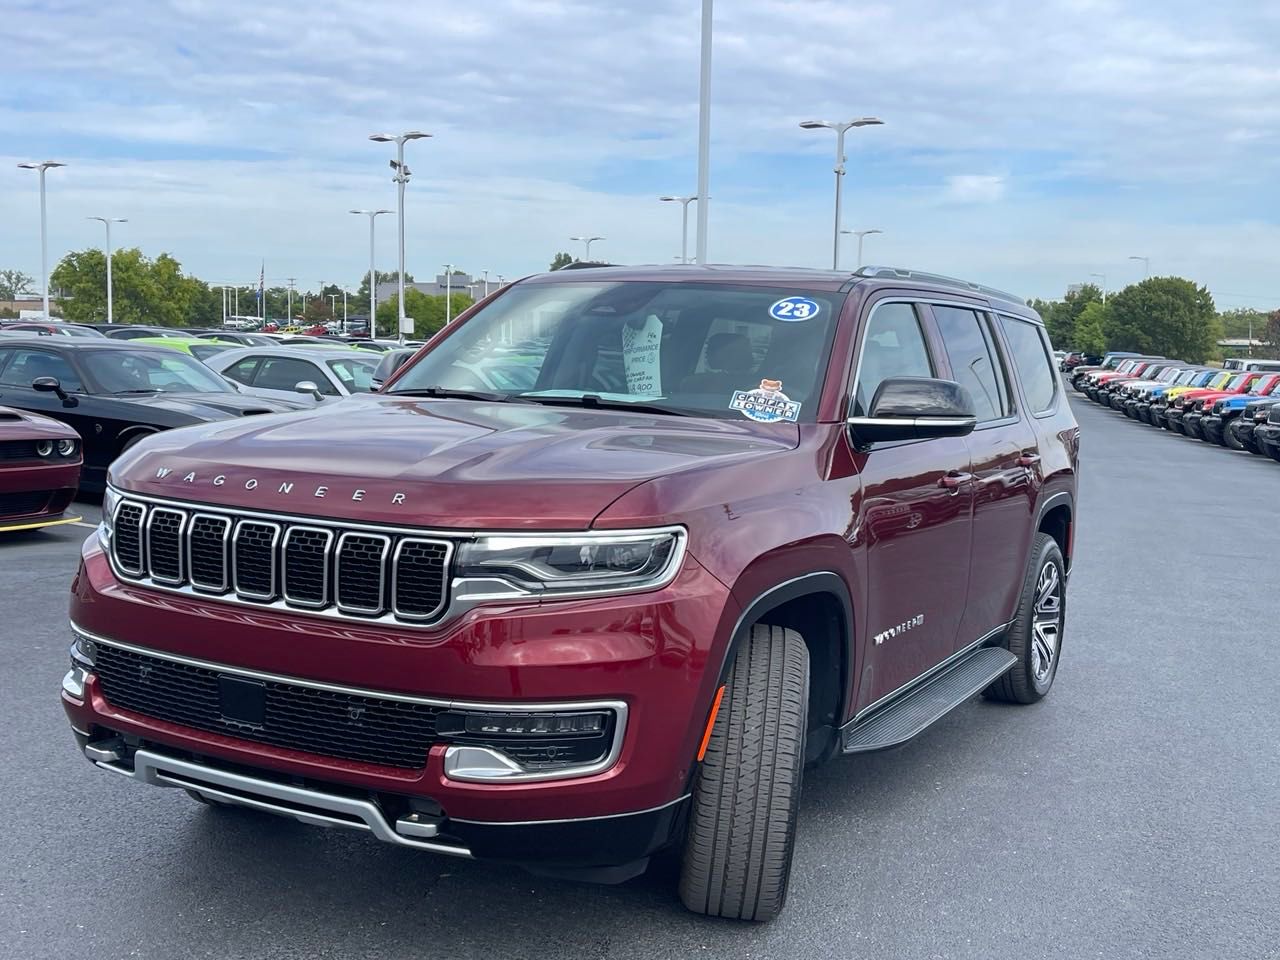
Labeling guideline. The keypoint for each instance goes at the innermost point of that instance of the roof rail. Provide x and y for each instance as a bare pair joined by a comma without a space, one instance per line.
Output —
937,278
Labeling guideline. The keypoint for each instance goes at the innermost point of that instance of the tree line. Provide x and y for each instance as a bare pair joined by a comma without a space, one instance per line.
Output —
1169,316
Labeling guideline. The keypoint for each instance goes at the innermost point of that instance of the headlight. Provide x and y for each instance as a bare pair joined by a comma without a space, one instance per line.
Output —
551,565
66,447
110,500
44,448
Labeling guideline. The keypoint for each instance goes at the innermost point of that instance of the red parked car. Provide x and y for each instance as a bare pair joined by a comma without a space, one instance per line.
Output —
743,520
40,461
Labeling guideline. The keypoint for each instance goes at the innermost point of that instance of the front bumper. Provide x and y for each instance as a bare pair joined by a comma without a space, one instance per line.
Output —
1213,429
1191,425
57,482
653,652
1267,437
1244,431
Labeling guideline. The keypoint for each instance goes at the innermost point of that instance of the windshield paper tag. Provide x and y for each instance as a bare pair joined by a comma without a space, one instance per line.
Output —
765,404
640,357
794,309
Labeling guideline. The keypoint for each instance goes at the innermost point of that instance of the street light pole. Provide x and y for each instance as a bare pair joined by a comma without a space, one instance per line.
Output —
704,131
841,129
344,309
486,283
684,223
1146,263
860,234
1103,278
400,179
448,293
44,227
373,274
289,307
107,222
588,241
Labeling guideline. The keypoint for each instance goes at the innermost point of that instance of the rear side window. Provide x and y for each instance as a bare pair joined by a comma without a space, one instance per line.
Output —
1031,360
974,361
893,346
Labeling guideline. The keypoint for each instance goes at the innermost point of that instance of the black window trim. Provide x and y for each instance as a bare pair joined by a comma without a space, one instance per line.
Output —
856,362
1056,403
84,382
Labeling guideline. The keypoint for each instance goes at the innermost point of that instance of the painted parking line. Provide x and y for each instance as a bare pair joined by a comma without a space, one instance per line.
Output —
81,523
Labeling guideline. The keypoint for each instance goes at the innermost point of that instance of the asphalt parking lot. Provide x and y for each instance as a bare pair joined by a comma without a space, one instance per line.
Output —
1132,814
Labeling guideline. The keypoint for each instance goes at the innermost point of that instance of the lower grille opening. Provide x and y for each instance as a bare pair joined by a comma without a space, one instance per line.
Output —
23,504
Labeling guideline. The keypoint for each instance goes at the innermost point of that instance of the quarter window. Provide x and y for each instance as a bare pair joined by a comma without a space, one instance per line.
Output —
893,346
974,361
1031,360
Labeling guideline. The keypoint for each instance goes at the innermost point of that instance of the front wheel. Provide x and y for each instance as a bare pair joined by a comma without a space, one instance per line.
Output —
742,823
1036,635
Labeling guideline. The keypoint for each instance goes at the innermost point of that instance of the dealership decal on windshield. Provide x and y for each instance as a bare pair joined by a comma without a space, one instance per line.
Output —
766,403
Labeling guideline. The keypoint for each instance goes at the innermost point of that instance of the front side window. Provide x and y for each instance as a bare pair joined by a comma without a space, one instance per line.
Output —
242,370
26,365
893,346
974,361
356,373
155,371
285,373
1031,359
684,348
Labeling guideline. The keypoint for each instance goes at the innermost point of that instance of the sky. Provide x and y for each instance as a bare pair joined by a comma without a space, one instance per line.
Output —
1025,145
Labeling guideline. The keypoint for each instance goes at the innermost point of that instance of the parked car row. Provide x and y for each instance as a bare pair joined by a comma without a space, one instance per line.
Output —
1236,406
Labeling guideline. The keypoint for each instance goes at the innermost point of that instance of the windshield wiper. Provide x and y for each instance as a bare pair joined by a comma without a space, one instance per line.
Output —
448,393
594,402
116,393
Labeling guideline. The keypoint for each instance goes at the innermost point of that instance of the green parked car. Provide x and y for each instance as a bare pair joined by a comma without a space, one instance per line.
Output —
200,349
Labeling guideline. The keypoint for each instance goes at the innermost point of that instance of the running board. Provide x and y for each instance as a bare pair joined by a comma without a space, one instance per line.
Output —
901,720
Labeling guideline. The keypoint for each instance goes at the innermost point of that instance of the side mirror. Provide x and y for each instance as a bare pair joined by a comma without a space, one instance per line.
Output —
308,387
51,385
915,408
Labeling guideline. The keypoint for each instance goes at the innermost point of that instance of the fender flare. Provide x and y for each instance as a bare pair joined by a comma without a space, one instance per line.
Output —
1061,498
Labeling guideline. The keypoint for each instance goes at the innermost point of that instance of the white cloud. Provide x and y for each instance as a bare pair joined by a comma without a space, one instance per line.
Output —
975,188
229,131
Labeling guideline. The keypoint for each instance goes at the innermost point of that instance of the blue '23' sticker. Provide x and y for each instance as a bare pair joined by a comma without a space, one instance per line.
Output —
794,309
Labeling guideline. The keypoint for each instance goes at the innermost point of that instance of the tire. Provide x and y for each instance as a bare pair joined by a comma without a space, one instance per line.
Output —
742,821
1229,438
1027,681
136,438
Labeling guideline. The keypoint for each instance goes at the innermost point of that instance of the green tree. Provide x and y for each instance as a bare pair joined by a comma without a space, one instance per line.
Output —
1166,315
1270,333
561,259
1239,323
145,291
13,283
427,311
1090,328
1060,316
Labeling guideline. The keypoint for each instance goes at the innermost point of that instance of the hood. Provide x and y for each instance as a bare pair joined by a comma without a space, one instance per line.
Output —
24,425
439,463
212,406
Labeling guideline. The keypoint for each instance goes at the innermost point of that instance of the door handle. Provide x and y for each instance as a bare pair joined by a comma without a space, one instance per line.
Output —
1028,459
954,480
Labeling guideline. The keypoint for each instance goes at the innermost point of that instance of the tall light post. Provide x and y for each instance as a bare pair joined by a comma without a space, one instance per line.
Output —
344,309
448,293
107,222
226,303
860,234
373,274
333,304
400,179
588,241
1103,278
841,129
44,227
1146,264
684,223
704,131
289,307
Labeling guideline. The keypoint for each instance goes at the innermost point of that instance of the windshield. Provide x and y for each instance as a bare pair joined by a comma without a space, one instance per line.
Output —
713,350
1236,381
356,373
133,371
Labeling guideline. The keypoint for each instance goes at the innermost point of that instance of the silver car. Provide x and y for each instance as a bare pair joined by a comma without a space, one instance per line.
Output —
317,373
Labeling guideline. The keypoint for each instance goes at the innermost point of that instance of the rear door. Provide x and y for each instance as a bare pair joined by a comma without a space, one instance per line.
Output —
1003,455
913,519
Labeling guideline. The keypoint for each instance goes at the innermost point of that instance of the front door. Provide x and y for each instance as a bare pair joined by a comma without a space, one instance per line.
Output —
912,522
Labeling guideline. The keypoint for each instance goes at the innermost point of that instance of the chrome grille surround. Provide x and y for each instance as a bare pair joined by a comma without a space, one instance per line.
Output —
255,550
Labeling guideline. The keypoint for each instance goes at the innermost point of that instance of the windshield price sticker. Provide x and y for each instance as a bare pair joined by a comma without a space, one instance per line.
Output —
794,309
765,404
640,357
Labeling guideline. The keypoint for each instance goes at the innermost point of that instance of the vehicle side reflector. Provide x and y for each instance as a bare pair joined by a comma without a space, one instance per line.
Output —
711,722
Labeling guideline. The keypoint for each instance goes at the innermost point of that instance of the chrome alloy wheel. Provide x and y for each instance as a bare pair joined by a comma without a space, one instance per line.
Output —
1046,624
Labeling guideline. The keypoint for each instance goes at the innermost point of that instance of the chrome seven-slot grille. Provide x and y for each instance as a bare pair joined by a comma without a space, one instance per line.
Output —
303,564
